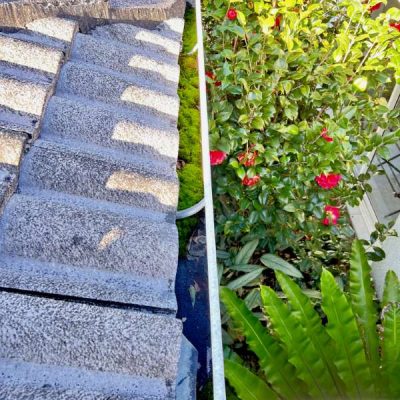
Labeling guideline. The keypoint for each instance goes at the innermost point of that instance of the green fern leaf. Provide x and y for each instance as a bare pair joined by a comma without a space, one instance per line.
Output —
362,302
391,348
349,355
301,351
391,291
310,320
248,386
273,359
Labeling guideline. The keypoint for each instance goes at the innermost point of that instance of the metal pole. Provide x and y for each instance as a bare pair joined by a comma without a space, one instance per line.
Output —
213,282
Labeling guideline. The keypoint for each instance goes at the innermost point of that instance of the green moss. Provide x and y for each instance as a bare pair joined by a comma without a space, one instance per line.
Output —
190,175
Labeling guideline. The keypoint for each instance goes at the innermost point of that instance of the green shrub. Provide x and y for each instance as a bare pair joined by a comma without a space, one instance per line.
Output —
297,109
349,352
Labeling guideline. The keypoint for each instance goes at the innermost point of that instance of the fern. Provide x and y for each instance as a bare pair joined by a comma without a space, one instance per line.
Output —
248,386
391,291
340,359
391,348
362,301
273,359
302,353
349,355
311,322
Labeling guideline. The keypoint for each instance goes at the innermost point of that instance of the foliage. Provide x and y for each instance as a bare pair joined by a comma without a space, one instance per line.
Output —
346,350
190,173
296,92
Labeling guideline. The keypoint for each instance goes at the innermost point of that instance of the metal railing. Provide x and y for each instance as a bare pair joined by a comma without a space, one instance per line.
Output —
213,281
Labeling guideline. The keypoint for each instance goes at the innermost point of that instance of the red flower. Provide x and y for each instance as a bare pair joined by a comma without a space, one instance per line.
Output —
213,77
377,6
395,25
247,159
328,181
278,20
210,75
324,134
231,14
250,181
332,215
217,157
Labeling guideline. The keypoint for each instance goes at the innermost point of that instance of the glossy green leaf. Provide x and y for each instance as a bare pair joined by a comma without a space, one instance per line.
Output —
311,322
245,254
279,264
272,357
391,349
349,356
301,351
247,385
391,290
362,301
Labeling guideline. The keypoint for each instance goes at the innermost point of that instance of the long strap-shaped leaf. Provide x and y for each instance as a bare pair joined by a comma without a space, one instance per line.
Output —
362,302
349,355
273,358
311,322
302,353
391,291
391,349
248,386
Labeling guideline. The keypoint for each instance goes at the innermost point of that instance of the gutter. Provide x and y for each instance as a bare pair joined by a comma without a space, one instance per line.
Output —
213,281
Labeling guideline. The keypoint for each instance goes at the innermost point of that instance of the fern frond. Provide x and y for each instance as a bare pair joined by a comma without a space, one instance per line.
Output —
272,357
391,291
349,355
247,385
362,301
301,351
391,348
310,320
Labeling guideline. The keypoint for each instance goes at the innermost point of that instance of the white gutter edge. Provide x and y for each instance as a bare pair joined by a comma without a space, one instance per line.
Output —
213,281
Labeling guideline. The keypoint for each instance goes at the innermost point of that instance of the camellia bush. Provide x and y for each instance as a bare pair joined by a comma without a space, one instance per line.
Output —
297,100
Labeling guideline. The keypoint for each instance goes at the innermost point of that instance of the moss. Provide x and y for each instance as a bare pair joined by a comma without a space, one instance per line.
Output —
190,175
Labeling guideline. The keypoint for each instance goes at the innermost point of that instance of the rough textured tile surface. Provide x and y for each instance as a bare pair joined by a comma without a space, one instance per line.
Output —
8,184
18,122
80,120
88,337
21,380
136,36
135,94
138,183
88,238
57,28
86,283
146,10
137,61
22,95
29,54
11,147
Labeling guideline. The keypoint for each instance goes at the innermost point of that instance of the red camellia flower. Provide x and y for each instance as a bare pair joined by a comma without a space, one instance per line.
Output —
217,157
210,75
375,7
247,159
278,20
250,181
395,26
332,215
328,181
324,134
231,14
213,77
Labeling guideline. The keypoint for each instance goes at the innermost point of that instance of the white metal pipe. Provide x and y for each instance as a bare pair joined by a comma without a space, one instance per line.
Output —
188,212
213,281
